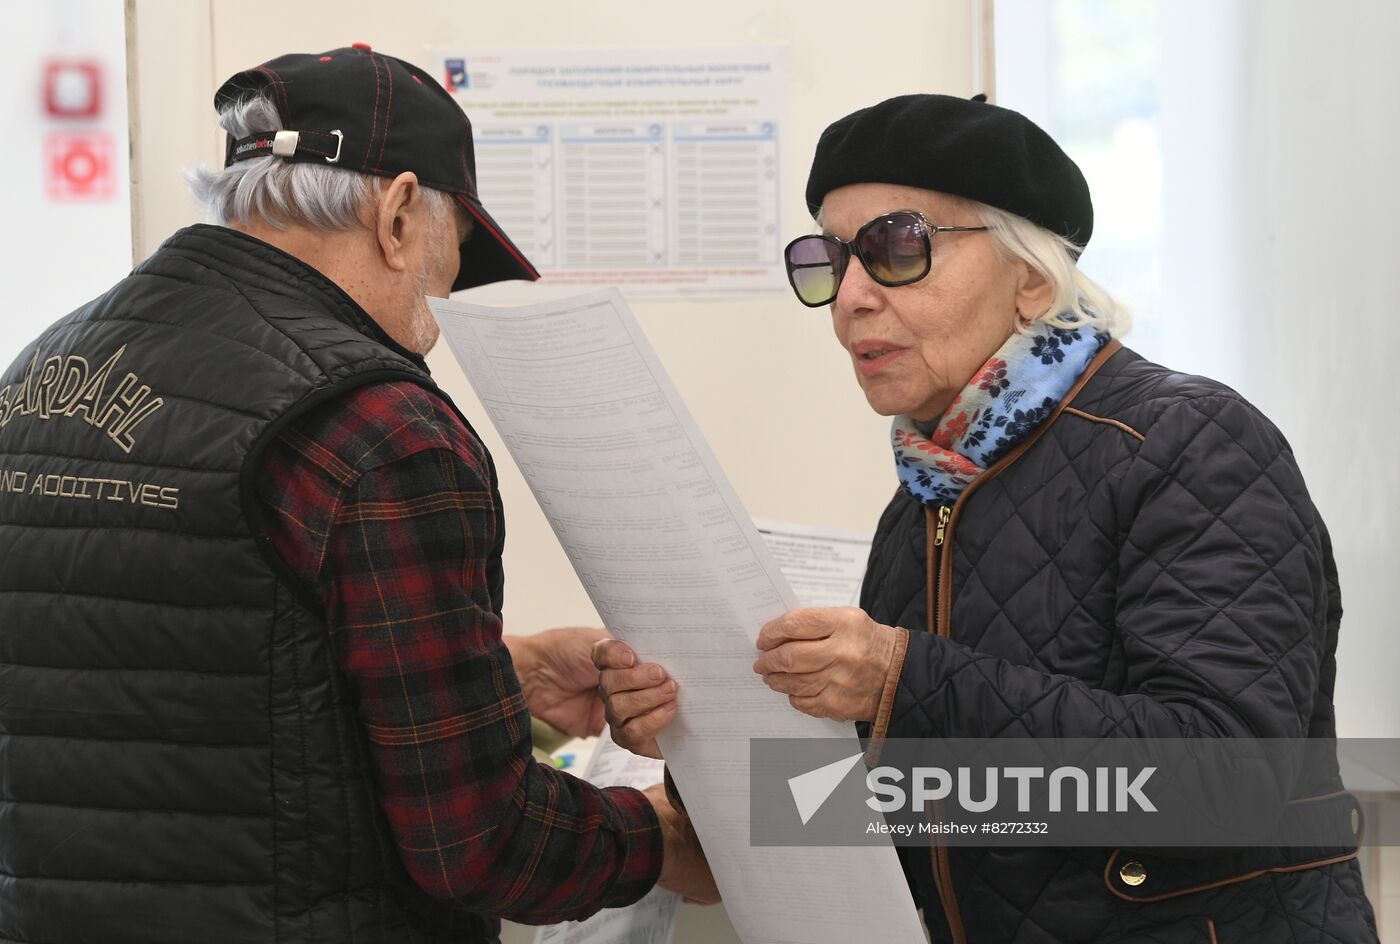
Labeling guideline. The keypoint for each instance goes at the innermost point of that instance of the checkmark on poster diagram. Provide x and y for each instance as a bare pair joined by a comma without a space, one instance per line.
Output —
812,789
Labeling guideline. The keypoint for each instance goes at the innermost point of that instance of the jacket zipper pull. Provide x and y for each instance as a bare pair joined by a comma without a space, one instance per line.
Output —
944,513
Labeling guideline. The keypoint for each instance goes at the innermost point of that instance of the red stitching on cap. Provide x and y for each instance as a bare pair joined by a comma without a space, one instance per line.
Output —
418,80
279,93
500,238
282,89
374,117
388,116
325,58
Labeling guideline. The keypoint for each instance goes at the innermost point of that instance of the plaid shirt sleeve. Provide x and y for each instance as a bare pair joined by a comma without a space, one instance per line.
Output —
385,504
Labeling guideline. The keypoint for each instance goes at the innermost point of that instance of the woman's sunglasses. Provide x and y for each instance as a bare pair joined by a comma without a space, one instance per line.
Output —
896,249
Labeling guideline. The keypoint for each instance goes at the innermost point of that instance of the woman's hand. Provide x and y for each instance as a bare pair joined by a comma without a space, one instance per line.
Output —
831,662
639,698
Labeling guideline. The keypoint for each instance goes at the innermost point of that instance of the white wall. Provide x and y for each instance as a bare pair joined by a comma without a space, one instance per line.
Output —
1319,199
57,255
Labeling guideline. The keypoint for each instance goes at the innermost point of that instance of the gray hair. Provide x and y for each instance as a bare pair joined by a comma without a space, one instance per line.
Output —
1079,301
283,193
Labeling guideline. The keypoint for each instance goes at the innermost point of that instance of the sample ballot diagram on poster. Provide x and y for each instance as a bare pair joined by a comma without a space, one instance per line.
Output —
654,170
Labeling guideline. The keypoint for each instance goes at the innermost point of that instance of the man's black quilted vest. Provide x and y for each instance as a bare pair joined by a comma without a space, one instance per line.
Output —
178,761
1039,558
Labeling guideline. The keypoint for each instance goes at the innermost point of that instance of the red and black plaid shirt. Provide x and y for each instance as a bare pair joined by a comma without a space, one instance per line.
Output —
384,503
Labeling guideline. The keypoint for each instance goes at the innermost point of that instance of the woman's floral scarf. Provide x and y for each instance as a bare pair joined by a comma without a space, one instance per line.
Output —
1008,397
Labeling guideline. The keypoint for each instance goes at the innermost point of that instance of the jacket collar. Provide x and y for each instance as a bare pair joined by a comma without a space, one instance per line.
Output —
243,258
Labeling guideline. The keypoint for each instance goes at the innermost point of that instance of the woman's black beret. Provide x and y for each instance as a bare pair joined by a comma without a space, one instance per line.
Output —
965,147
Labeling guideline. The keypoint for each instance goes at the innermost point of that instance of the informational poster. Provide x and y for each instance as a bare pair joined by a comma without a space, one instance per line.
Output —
655,170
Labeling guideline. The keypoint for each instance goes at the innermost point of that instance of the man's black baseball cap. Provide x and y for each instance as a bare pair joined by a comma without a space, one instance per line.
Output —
363,111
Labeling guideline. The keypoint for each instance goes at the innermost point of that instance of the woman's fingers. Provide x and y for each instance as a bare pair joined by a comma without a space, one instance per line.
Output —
831,662
815,706
790,684
813,622
796,657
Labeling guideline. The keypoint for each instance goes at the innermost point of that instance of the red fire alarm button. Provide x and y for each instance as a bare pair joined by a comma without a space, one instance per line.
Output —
79,166
73,89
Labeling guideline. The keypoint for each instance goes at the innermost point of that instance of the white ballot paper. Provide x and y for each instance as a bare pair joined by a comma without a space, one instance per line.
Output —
649,921
823,566
676,568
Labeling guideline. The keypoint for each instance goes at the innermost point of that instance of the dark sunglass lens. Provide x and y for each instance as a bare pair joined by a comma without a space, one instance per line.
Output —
896,249
813,264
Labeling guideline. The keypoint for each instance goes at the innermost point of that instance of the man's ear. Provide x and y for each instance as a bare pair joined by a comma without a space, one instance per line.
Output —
398,218
1034,291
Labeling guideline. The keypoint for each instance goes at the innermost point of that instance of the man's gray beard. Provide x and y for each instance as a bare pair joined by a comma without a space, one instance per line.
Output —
422,327
423,331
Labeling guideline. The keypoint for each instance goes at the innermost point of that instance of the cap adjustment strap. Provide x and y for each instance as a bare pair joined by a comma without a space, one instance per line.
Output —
293,145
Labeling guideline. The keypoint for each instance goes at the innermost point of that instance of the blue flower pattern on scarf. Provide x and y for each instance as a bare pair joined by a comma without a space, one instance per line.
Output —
1009,396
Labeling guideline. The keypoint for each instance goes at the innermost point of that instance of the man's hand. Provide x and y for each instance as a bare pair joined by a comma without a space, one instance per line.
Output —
640,697
683,865
831,662
558,677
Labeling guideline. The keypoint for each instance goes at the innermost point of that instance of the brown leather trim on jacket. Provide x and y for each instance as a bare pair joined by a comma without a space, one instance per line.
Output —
1319,798
1219,883
943,620
940,622
930,555
891,686
1103,419
943,869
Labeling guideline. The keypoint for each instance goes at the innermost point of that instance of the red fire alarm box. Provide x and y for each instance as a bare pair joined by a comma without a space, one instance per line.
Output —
73,88
79,166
